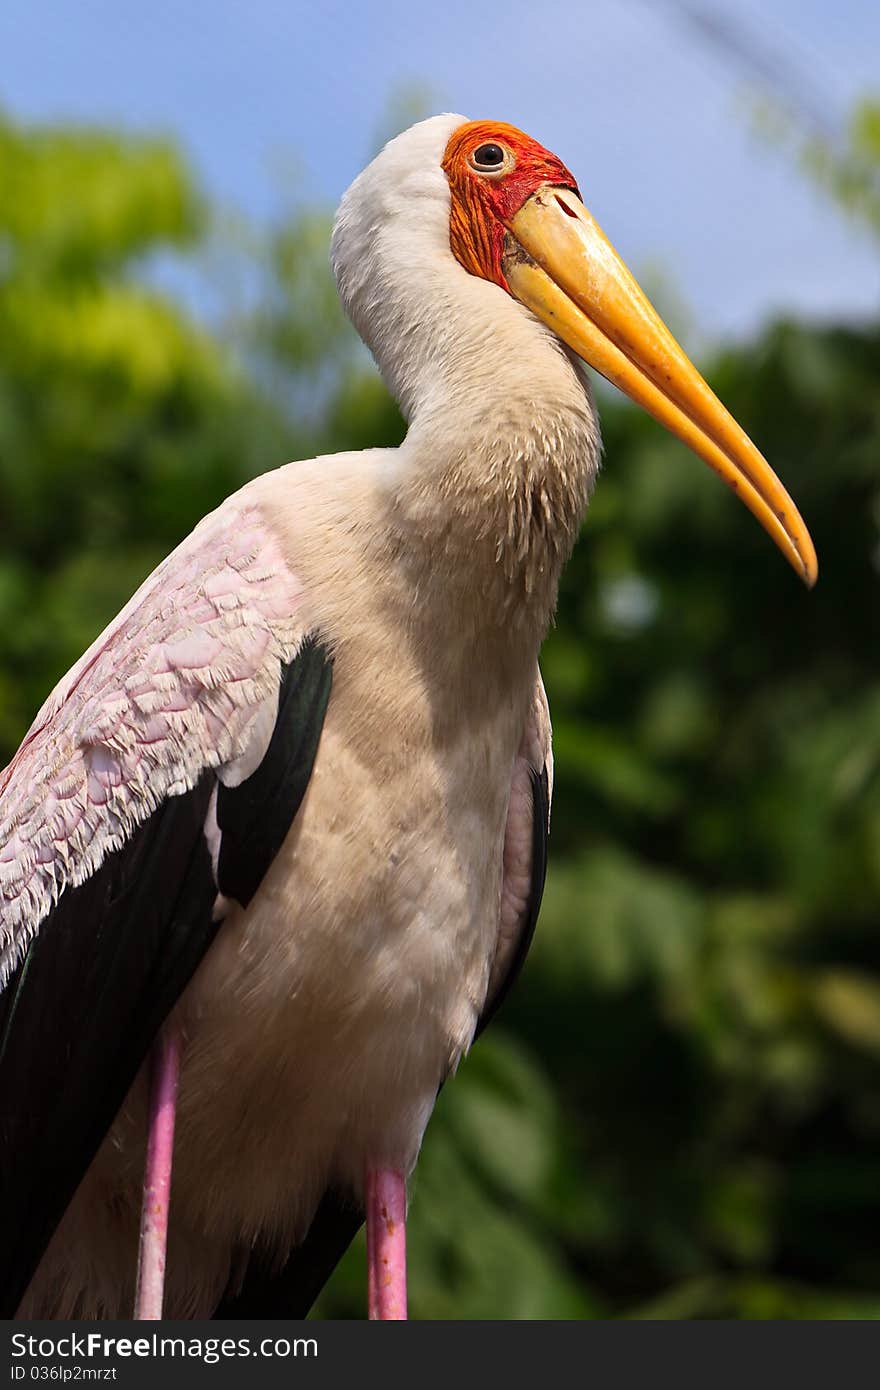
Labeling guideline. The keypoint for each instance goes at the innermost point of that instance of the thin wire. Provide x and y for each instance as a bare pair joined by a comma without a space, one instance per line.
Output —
744,46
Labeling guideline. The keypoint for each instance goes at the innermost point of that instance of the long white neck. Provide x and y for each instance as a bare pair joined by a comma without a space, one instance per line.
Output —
503,442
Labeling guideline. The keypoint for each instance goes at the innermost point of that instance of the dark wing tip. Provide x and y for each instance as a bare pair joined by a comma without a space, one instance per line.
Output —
540,782
289,1292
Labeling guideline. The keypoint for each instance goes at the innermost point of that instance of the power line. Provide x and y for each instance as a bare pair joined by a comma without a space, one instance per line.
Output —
762,62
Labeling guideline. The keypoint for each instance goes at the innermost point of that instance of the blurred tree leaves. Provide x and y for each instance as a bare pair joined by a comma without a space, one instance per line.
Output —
82,203
678,1114
121,420
845,165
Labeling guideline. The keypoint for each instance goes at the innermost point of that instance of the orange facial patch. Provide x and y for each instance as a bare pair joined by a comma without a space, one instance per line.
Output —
483,204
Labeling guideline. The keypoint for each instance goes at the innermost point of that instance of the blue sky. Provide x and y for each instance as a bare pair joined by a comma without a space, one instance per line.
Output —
652,119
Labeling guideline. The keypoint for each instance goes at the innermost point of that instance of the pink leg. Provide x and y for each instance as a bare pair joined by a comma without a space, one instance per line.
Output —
164,1077
386,1244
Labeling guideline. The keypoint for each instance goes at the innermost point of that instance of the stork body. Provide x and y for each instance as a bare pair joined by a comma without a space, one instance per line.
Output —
308,768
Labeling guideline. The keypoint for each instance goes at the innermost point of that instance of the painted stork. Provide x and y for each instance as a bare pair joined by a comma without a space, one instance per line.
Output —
289,813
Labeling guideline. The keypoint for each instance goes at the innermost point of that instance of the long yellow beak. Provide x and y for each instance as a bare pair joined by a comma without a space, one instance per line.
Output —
573,279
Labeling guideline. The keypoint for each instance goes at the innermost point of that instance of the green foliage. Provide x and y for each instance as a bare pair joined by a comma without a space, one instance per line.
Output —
79,203
121,421
846,167
677,1114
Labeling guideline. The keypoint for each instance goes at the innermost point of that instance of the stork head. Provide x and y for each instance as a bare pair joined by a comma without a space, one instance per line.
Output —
492,199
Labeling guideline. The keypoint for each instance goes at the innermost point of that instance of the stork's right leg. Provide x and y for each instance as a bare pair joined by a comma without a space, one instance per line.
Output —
386,1244
164,1079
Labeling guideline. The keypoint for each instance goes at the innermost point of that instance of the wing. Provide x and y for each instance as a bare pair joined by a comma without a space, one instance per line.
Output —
525,854
159,778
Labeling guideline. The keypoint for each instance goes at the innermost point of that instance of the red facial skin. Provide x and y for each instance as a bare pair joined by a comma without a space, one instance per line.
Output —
482,205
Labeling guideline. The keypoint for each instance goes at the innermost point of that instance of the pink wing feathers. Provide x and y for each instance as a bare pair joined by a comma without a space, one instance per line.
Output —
186,678
162,774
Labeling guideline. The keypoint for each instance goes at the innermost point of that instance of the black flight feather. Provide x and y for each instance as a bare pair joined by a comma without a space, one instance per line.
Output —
290,1291
255,816
80,1012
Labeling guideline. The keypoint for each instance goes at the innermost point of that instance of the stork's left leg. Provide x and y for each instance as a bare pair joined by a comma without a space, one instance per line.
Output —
164,1079
386,1244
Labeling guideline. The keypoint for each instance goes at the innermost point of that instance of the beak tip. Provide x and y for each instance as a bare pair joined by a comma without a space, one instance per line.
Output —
605,318
809,567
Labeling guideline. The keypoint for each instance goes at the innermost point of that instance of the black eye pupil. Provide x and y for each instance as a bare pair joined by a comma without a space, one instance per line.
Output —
489,156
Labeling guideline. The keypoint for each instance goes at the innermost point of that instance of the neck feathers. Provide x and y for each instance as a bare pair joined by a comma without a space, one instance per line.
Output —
493,488
491,483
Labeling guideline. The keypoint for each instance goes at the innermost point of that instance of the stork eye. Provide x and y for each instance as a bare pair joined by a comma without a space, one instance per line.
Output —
490,156
490,159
